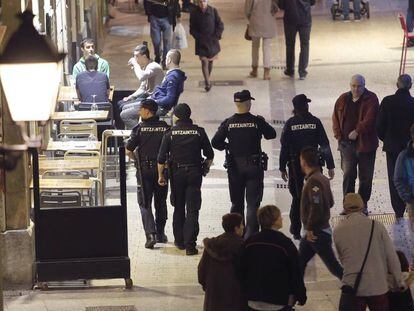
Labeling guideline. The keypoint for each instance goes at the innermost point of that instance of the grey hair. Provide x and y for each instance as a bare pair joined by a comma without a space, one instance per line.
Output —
359,78
404,82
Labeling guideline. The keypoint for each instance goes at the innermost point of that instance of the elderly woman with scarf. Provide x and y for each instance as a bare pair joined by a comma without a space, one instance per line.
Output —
206,27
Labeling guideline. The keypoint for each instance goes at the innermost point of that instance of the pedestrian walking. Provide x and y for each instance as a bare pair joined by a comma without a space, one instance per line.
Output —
162,16
143,147
262,27
183,145
368,256
354,126
404,177
270,269
241,135
207,28
297,19
395,117
300,131
356,9
316,203
218,268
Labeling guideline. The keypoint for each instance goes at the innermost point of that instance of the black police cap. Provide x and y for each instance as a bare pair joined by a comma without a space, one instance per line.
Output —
242,96
300,101
182,111
149,104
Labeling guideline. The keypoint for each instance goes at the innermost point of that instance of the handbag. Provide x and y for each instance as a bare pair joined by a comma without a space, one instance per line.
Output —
246,33
348,296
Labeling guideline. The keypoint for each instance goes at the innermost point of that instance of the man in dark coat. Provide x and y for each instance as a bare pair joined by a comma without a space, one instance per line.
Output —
206,27
270,269
297,19
217,268
395,117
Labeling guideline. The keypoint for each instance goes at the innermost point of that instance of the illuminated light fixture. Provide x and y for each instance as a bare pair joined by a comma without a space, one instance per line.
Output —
30,72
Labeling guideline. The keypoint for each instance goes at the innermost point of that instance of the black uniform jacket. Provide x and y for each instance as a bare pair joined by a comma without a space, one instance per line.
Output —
184,144
303,131
243,133
147,136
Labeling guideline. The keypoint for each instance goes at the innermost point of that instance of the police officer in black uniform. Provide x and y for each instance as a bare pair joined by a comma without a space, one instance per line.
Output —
300,131
244,158
143,146
183,144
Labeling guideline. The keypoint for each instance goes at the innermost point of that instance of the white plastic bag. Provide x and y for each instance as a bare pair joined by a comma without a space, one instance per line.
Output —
179,37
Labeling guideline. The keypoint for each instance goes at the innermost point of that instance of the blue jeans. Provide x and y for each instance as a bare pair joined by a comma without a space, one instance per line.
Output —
410,24
129,114
161,27
357,8
323,247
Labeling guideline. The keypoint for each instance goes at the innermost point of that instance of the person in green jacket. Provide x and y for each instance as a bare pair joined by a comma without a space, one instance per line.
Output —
88,49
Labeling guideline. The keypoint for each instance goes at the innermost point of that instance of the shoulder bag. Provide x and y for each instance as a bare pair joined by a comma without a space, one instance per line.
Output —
348,296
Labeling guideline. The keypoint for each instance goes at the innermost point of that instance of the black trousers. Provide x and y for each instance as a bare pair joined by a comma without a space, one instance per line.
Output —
246,181
398,205
153,190
357,164
290,39
186,192
295,185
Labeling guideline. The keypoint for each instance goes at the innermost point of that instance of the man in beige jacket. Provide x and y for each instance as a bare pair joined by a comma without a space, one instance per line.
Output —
351,237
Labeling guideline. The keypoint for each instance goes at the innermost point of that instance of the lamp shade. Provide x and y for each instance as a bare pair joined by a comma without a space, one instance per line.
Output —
30,73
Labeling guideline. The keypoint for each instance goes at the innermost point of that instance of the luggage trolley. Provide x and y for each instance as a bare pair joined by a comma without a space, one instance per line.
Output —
337,11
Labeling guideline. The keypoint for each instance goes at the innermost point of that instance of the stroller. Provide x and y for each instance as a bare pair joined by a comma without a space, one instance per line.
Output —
336,9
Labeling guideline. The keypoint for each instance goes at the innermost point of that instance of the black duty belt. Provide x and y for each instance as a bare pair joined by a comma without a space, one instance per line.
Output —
248,160
185,165
149,163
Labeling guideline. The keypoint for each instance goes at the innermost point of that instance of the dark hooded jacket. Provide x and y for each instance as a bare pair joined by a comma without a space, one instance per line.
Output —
297,12
217,273
167,94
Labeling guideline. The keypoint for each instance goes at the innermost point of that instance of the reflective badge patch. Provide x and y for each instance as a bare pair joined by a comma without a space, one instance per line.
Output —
316,196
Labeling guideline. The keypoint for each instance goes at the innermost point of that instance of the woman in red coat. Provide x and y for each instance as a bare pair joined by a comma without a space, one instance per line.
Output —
206,27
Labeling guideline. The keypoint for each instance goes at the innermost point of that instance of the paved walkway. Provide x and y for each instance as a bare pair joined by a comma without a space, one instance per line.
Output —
165,278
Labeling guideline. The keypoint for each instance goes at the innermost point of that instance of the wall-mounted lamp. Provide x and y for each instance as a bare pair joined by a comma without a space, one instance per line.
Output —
30,73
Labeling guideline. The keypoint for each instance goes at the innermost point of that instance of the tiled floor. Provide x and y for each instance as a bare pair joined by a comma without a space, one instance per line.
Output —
166,279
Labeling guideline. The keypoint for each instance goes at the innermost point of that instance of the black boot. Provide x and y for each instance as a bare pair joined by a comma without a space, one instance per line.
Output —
151,241
179,245
161,238
191,250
